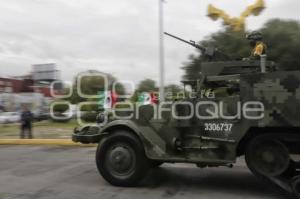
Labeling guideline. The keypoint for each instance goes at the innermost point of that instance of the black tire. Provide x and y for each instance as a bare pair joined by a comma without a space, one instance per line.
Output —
291,171
267,157
155,163
296,186
121,159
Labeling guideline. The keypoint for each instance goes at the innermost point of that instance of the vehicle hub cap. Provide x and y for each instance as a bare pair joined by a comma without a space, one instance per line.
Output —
121,160
270,159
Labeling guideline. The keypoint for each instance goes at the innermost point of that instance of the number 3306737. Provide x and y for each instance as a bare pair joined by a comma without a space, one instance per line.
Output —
218,127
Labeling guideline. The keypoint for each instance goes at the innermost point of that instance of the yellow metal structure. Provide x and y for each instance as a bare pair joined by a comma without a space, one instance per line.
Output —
237,23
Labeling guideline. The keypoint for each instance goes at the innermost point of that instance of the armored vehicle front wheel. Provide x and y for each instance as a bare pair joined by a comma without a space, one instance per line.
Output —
121,159
267,157
296,186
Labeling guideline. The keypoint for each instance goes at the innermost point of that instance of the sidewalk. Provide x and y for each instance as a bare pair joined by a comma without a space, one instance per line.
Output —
45,133
41,130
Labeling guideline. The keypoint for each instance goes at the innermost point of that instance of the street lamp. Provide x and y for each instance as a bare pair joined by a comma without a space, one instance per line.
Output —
161,52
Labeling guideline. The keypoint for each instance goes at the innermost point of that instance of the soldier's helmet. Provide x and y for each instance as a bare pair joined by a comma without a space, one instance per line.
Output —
255,36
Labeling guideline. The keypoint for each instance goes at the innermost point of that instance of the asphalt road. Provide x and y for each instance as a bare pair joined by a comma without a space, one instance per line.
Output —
34,172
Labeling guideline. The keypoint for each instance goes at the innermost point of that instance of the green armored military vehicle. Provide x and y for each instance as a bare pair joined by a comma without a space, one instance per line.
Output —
235,108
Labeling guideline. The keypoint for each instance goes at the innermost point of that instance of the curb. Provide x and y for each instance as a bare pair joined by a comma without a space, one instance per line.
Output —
49,142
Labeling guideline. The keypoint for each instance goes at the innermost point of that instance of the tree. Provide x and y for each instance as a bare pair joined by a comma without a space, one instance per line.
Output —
91,85
173,88
283,40
149,85
173,91
281,36
146,85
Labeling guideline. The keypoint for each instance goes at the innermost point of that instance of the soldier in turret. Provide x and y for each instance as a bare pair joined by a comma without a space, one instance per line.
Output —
256,41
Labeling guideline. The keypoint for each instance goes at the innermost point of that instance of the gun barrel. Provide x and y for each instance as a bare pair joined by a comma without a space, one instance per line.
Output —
175,37
185,41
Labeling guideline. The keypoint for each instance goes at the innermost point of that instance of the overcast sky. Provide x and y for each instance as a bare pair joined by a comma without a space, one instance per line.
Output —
113,36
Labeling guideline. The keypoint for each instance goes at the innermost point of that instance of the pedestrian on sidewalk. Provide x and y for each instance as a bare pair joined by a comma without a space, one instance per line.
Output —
26,123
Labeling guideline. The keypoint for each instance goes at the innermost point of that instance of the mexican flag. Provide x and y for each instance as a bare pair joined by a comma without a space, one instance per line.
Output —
107,99
146,98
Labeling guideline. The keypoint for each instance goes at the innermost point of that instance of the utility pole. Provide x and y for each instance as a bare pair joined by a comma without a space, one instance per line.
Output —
161,52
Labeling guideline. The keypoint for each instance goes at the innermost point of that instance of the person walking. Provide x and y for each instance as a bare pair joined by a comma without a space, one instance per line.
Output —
26,123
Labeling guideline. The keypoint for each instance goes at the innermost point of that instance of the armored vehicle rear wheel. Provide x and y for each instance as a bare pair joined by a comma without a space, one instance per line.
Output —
121,159
296,186
267,157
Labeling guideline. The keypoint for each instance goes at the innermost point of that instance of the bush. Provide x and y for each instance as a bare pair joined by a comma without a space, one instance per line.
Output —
89,116
60,108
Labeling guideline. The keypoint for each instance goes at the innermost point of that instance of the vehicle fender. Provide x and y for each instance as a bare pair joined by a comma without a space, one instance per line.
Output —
154,146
